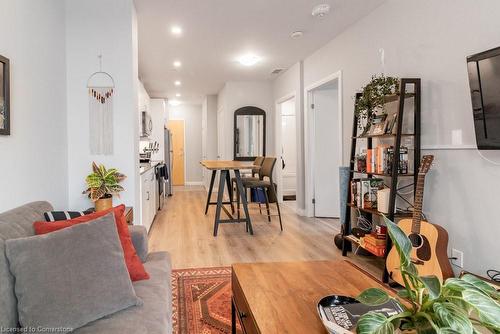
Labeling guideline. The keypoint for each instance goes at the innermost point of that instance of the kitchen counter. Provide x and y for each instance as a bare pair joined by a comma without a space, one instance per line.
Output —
144,167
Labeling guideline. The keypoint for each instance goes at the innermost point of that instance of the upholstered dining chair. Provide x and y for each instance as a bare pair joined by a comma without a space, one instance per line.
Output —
254,177
266,183
255,172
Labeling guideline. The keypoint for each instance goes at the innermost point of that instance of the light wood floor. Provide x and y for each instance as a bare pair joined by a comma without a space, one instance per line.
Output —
183,230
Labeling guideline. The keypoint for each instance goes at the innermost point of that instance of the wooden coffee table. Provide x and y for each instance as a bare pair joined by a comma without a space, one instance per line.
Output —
282,297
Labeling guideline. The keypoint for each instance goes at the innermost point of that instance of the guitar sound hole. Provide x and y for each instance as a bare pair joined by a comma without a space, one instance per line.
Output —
416,240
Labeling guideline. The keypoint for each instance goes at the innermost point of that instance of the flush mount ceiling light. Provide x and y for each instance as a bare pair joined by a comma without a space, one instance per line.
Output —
178,95
176,30
177,83
177,64
174,103
321,10
296,34
249,59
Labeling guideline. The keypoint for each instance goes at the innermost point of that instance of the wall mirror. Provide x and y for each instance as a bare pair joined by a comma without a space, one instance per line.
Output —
249,133
4,97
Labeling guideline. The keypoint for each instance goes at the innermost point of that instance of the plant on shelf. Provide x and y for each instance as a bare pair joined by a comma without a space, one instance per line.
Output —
372,98
460,305
102,184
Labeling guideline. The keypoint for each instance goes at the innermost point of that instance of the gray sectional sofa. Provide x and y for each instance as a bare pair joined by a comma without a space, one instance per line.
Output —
154,317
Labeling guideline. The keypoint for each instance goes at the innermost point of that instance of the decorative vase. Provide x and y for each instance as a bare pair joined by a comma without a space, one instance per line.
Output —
104,204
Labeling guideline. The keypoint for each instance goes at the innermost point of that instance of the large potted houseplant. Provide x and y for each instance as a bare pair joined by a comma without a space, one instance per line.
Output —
102,184
465,305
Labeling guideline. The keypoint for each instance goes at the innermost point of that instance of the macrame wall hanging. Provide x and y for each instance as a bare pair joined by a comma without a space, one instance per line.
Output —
101,89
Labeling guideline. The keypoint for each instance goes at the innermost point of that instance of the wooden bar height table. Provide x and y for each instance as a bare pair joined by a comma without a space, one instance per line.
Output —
224,166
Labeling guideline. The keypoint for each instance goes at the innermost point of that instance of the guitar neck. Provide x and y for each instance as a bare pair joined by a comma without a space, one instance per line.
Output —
417,206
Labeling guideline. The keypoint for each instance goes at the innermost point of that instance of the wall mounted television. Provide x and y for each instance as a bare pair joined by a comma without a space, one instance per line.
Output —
484,80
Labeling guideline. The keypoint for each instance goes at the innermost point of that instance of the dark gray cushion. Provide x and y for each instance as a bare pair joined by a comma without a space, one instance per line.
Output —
68,278
16,223
139,236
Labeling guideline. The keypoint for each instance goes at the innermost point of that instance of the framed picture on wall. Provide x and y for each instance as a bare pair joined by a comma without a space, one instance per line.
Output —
4,96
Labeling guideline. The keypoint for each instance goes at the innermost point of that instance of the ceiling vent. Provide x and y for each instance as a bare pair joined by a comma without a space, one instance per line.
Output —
277,71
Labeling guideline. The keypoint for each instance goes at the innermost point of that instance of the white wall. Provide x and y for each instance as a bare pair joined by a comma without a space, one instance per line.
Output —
33,158
235,95
109,28
191,114
291,82
209,133
431,39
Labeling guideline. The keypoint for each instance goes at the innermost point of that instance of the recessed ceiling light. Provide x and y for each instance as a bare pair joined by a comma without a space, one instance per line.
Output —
321,10
297,34
177,83
174,103
177,64
178,95
176,30
249,59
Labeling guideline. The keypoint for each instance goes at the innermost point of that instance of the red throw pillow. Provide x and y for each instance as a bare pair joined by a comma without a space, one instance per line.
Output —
134,265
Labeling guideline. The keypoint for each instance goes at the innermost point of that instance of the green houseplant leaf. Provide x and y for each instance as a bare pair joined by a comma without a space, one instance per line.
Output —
488,310
400,241
373,297
433,285
482,285
450,316
374,323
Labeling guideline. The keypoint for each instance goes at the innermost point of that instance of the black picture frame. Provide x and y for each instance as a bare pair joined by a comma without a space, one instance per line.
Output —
5,93
249,110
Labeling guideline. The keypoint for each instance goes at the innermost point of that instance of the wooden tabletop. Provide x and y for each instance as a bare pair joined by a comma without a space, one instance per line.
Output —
283,297
227,164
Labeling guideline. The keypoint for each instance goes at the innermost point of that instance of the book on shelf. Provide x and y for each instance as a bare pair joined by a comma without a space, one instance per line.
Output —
379,160
364,192
375,250
374,240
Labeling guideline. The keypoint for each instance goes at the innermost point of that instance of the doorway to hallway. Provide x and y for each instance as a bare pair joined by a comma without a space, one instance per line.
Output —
323,147
286,140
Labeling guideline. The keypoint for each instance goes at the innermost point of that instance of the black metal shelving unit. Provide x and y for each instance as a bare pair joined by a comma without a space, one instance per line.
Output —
409,89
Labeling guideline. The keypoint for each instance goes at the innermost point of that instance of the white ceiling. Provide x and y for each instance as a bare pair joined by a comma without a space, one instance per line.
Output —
215,32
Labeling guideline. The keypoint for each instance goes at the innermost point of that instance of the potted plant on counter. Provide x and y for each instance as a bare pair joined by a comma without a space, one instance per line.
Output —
102,184
465,305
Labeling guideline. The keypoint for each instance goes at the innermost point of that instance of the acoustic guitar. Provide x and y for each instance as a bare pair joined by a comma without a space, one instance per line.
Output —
429,241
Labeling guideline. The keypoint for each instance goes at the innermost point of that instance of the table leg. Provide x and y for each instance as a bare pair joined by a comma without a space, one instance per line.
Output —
230,191
243,196
233,317
220,197
210,189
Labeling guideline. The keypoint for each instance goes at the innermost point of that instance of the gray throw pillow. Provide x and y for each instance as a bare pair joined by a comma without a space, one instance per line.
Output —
68,278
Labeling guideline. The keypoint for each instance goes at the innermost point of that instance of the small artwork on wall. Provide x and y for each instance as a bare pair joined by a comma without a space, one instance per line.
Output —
4,96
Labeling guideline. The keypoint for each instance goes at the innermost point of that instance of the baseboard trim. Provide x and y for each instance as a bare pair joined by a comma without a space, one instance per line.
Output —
194,183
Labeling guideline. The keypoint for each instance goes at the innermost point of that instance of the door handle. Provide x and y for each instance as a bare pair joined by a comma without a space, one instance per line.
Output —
147,198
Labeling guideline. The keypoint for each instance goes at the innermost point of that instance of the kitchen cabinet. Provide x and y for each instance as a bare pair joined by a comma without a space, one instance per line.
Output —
149,194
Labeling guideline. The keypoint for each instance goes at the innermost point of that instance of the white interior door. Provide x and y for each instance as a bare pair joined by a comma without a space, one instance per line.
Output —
326,150
288,148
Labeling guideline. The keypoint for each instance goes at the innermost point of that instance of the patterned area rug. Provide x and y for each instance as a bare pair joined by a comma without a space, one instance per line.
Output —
202,301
